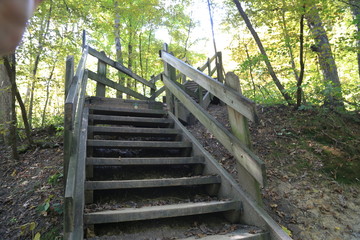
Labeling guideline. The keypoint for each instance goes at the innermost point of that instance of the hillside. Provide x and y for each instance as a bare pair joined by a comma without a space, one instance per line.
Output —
312,160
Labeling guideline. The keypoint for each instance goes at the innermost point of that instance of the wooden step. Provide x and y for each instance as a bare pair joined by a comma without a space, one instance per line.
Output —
137,144
106,110
151,183
156,212
144,161
134,121
125,103
99,130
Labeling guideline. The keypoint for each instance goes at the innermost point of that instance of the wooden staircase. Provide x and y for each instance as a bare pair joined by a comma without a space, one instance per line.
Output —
134,146
133,171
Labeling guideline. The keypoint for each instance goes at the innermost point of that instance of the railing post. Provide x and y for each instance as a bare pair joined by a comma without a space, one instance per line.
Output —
100,88
219,67
69,75
209,67
240,128
170,73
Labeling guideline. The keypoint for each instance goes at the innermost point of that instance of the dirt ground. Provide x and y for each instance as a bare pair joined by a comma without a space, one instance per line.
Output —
31,191
302,194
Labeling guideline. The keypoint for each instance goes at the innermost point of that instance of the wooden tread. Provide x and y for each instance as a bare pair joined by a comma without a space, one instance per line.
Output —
150,183
135,121
144,161
128,111
137,144
155,212
133,131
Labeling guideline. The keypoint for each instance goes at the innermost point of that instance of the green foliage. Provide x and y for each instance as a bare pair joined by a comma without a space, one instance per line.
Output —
278,26
53,179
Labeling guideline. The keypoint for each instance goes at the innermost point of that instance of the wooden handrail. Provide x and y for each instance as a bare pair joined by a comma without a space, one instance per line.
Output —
242,153
226,94
74,89
114,85
73,113
120,67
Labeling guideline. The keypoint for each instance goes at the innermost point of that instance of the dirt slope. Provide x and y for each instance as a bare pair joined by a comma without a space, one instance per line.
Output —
304,153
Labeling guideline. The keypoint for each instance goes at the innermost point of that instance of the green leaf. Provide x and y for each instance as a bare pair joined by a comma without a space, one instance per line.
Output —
37,236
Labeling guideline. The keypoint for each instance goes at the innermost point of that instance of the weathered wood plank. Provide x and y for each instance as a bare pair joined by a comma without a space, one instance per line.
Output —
128,111
115,85
245,156
133,131
71,181
80,179
129,120
120,67
75,85
144,161
157,93
226,94
156,212
69,73
100,87
152,183
137,144
125,103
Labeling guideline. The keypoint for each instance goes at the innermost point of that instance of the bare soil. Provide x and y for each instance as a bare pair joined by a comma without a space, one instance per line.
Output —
31,191
312,161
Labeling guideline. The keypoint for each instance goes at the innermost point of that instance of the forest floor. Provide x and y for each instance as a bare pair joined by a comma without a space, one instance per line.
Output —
312,162
312,159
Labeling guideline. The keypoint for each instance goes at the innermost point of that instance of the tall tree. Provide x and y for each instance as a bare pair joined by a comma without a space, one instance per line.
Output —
355,8
272,73
10,65
333,93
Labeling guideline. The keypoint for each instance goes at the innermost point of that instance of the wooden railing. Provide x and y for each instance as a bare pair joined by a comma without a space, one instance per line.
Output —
75,128
243,107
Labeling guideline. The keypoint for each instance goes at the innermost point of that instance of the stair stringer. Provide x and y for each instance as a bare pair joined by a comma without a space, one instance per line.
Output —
253,214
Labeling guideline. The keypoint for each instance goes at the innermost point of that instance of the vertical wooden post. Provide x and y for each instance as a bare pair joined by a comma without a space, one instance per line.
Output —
84,40
201,96
69,75
100,88
170,73
240,128
209,67
219,67
183,78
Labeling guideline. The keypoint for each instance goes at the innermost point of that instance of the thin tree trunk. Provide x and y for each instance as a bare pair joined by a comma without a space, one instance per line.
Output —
118,47
333,93
5,104
11,67
250,69
47,95
355,8
42,36
287,43
10,64
263,52
299,92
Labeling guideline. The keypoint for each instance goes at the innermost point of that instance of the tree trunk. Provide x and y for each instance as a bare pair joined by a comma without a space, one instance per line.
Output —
48,82
299,92
263,52
10,64
333,93
5,105
119,55
355,8
43,33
